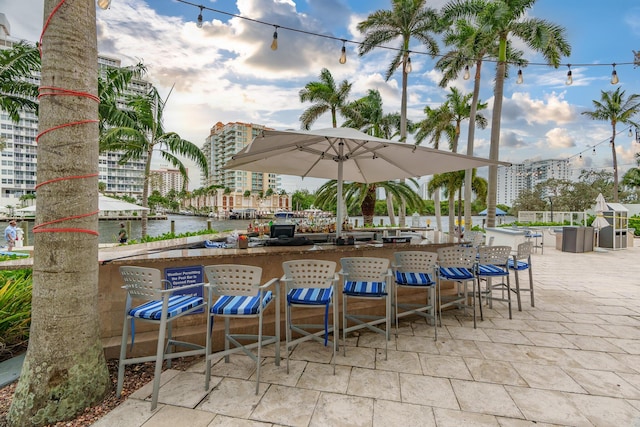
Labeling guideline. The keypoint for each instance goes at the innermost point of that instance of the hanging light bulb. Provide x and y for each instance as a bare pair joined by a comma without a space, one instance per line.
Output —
407,66
594,151
614,76
630,133
520,78
199,20
467,74
580,156
104,4
569,76
274,43
343,55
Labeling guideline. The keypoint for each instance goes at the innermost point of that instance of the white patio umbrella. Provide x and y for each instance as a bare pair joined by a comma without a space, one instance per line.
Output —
600,222
346,154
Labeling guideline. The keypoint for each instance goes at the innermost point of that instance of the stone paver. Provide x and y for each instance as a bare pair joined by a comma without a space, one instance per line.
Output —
573,359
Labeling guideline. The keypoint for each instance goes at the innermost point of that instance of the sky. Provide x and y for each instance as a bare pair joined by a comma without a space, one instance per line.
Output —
226,71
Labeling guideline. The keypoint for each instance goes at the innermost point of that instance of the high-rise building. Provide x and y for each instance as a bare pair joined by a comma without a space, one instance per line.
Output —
519,177
165,180
224,141
19,156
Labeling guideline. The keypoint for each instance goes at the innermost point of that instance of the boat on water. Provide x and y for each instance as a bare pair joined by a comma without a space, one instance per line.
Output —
284,215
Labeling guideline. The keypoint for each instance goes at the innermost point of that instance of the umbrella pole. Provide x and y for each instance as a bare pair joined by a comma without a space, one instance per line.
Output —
339,212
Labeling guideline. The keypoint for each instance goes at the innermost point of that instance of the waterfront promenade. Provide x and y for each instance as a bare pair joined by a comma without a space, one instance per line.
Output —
573,360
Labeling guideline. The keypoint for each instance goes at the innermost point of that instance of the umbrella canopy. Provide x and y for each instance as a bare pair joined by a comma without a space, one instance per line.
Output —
601,206
346,154
105,204
499,212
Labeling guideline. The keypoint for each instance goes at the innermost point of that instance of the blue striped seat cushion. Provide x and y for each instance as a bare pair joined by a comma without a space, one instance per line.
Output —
413,279
177,304
366,289
521,265
239,304
310,296
492,270
455,273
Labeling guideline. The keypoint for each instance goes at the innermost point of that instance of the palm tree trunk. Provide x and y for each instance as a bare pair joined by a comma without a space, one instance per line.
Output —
452,213
390,211
64,370
495,137
438,209
468,174
403,126
615,164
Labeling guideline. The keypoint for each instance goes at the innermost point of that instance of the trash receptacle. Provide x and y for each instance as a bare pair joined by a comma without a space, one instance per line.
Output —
630,236
588,239
573,239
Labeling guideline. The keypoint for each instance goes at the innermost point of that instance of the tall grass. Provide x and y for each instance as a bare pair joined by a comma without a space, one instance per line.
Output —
15,309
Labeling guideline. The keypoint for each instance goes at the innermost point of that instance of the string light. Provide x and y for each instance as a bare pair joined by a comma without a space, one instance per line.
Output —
199,20
104,4
274,43
407,66
569,76
343,55
614,75
594,151
520,79
467,74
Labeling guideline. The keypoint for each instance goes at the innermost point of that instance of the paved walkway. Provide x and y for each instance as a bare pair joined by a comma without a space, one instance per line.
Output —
573,360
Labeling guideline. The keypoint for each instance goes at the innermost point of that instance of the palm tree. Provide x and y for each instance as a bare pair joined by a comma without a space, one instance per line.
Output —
64,369
505,20
447,121
142,134
112,84
367,115
471,44
363,195
17,65
453,182
407,19
326,98
614,108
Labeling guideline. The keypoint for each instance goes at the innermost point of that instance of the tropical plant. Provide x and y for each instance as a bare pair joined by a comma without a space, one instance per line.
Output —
407,19
64,370
142,133
18,65
447,121
15,309
326,96
367,115
471,44
615,108
364,196
507,20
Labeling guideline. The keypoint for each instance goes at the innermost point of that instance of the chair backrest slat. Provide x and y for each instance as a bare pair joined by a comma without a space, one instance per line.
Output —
142,282
309,273
415,261
525,250
496,255
234,279
456,256
365,269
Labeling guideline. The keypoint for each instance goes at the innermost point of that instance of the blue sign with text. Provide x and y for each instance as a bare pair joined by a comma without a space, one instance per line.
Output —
182,276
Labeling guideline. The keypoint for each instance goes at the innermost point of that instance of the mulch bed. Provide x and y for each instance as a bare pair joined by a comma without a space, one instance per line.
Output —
136,376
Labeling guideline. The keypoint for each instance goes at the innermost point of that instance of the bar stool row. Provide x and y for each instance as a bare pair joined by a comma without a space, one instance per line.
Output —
237,291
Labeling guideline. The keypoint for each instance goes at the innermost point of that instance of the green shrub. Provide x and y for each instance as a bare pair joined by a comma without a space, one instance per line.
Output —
15,308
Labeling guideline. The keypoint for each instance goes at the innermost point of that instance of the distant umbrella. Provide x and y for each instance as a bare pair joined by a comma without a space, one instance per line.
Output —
499,212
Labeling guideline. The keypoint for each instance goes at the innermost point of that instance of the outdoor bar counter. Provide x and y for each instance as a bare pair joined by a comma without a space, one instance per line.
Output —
192,328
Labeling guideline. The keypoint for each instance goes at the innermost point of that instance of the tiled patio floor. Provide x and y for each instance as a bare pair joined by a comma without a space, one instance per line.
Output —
573,360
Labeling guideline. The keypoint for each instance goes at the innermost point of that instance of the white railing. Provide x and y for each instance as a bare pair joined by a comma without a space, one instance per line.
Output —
577,218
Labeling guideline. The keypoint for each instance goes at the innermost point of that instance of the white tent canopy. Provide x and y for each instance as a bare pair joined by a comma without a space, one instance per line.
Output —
105,204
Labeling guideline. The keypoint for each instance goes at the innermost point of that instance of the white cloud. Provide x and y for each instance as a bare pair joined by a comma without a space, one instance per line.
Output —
558,138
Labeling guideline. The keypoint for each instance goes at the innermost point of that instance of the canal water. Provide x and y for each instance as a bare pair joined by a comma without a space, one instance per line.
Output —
183,223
